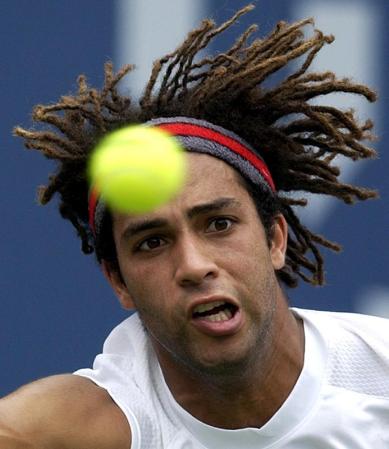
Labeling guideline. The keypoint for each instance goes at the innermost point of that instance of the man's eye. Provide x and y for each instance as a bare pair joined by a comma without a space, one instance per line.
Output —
219,224
150,244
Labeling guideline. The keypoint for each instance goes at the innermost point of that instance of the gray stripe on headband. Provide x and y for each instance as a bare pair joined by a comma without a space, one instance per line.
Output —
243,166
204,124
99,215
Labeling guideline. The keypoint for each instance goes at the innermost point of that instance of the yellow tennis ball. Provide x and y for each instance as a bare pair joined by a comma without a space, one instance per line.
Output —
137,168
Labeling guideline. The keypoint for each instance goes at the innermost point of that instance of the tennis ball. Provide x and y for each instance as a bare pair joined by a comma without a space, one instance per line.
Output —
137,168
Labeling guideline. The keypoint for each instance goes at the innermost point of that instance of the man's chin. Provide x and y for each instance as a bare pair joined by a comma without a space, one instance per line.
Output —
225,366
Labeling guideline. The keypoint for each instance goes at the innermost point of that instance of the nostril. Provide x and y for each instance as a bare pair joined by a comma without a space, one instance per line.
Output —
210,274
194,276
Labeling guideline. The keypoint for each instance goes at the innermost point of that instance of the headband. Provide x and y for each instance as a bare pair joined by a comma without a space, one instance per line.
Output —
200,136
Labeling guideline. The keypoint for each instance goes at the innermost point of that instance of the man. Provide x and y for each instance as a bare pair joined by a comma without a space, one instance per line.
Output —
214,358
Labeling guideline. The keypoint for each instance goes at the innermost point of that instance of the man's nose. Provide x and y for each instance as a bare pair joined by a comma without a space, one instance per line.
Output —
195,262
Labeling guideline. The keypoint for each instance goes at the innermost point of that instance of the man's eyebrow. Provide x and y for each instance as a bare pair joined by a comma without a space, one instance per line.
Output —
213,206
143,225
147,224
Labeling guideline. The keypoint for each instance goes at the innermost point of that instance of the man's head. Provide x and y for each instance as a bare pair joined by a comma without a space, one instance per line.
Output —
202,267
298,140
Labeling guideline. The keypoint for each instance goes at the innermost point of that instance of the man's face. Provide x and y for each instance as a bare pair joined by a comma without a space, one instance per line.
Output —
200,271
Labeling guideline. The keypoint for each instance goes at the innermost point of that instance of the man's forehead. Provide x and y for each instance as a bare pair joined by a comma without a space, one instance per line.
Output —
211,185
210,173
207,162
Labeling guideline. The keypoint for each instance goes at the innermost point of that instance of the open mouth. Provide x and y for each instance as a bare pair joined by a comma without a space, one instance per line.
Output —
214,311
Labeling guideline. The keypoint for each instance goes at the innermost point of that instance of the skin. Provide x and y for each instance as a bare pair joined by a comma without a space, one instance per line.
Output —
208,241
62,412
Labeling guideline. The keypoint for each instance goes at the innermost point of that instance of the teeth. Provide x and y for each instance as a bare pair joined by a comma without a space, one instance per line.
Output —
224,315
205,307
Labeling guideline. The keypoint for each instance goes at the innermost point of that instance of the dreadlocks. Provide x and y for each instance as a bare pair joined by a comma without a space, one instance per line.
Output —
298,140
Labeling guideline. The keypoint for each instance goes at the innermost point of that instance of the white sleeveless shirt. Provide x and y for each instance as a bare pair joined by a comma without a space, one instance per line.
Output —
340,401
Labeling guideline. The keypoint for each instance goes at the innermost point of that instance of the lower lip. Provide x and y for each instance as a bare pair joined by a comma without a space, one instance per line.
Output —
219,328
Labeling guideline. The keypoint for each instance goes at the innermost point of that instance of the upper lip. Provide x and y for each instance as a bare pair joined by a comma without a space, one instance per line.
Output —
208,300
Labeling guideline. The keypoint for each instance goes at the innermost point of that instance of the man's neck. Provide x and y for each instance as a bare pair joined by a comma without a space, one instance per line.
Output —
253,397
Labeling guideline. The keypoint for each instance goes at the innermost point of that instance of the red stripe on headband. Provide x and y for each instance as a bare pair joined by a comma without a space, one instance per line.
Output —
93,198
187,129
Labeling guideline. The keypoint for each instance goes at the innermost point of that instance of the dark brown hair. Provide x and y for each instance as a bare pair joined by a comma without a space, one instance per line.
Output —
298,139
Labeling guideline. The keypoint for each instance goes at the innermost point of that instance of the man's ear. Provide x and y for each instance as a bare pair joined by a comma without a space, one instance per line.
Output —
279,242
112,274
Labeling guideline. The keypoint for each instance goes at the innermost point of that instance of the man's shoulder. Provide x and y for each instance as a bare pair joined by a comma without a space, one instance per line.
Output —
357,350
63,411
361,323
